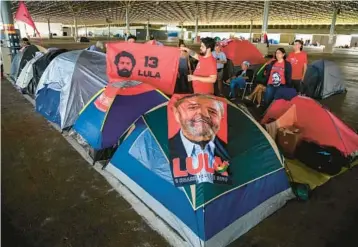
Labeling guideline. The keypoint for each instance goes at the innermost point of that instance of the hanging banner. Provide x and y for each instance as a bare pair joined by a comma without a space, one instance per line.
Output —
155,65
198,134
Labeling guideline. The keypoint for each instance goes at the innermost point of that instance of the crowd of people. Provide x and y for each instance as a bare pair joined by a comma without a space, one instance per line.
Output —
283,74
204,72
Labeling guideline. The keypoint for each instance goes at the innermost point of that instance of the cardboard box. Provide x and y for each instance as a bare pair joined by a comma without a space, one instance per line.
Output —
288,139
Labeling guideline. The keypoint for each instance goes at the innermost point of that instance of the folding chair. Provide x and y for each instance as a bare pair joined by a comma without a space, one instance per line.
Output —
250,83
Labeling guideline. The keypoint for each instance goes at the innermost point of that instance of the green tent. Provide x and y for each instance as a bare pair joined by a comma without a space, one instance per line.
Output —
204,214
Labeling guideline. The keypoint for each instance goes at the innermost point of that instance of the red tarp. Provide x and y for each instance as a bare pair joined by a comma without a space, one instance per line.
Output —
316,123
155,65
241,50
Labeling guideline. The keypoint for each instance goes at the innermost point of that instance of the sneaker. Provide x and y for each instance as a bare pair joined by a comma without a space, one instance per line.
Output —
232,98
248,98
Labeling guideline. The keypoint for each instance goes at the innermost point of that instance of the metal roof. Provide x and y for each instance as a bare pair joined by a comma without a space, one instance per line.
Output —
176,12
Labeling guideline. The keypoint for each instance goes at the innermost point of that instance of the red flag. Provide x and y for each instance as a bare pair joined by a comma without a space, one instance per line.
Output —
154,65
23,15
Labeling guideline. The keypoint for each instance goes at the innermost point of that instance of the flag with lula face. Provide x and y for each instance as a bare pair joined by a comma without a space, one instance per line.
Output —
22,14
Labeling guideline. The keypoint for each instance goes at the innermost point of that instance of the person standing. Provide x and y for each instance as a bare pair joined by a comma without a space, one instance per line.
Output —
266,40
278,75
298,60
131,39
220,61
182,85
24,43
205,73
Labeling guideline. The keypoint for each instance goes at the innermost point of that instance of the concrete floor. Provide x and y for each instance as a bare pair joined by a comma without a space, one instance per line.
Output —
51,197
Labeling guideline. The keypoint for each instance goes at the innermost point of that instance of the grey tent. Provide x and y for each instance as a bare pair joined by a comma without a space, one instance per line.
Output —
323,78
26,74
21,59
68,83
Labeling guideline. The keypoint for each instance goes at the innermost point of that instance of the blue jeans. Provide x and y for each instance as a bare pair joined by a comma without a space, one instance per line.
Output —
270,94
238,81
275,93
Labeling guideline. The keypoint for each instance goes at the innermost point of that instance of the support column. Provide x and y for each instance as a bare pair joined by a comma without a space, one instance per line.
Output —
27,35
261,46
109,30
196,30
148,34
251,23
86,30
75,36
182,32
11,40
265,18
49,29
196,24
127,21
333,26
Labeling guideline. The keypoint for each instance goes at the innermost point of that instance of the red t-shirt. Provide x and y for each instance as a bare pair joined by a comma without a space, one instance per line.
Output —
297,61
206,67
277,75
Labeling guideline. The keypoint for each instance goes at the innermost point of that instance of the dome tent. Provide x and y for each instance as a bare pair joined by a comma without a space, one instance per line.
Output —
323,79
110,113
26,74
258,189
68,83
21,59
41,64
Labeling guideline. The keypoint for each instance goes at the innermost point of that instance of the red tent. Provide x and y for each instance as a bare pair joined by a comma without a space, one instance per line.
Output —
317,124
241,50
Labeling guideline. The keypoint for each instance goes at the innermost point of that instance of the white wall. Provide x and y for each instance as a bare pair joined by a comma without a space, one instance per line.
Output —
343,40
42,27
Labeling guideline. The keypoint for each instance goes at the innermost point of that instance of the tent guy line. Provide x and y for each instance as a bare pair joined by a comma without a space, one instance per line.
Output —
138,206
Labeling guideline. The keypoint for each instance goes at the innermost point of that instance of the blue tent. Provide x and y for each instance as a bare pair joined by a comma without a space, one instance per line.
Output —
102,128
68,83
204,214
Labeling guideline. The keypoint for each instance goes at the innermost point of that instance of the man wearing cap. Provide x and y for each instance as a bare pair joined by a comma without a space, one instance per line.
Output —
240,79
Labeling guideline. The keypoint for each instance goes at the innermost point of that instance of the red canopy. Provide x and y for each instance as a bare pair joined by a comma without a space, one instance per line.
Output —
317,124
241,50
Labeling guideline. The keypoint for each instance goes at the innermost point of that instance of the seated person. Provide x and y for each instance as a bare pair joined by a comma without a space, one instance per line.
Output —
257,94
240,79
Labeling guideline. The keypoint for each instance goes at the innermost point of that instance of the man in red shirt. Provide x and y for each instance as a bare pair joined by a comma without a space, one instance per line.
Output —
205,73
298,60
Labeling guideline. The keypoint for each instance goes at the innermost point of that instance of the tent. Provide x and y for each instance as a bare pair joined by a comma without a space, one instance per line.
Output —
317,124
41,64
26,74
21,59
241,50
323,79
68,83
260,75
204,214
101,126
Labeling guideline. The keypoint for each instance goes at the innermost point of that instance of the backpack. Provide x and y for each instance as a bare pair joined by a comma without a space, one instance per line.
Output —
323,159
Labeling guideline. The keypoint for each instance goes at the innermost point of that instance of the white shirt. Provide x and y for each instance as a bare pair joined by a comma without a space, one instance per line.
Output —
189,146
221,56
